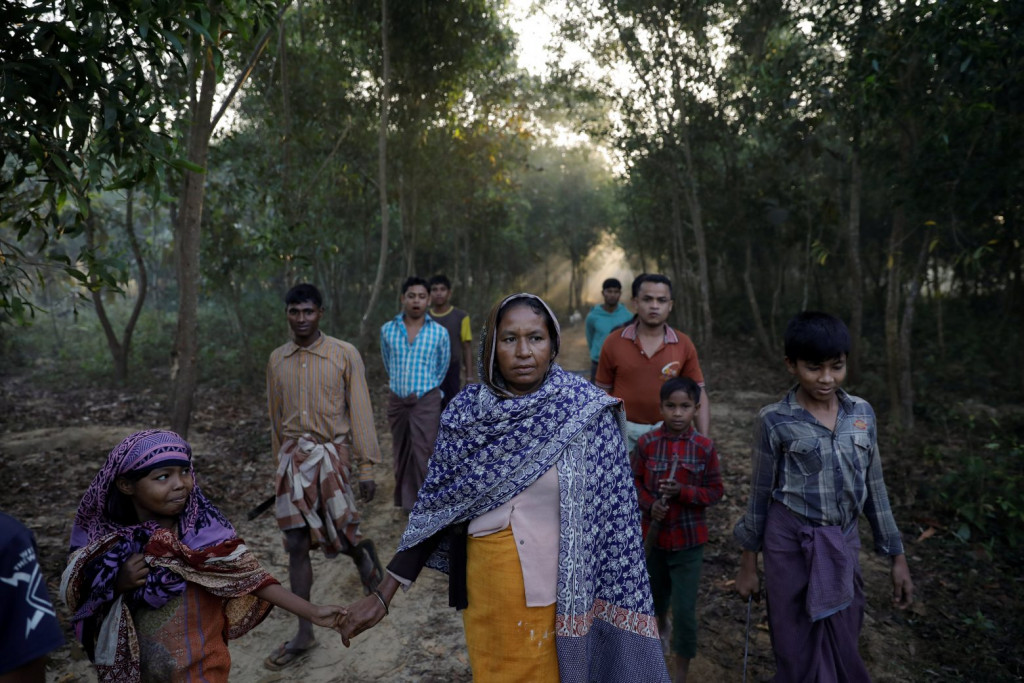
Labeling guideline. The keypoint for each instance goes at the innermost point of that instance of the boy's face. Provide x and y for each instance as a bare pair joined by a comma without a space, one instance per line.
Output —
439,295
414,301
678,411
653,303
611,296
819,379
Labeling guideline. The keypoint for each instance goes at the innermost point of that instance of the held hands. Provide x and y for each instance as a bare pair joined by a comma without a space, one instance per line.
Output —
132,574
659,509
360,616
328,616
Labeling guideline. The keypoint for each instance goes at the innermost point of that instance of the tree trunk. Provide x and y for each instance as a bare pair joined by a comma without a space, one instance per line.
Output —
133,240
245,335
117,351
892,313
773,317
407,214
935,284
576,280
1017,294
186,345
808,268
282,58
755,309
382,169
120,349
856,271
906,336
683,309
700,243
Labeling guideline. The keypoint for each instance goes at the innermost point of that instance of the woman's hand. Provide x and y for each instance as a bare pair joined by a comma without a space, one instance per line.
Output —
132,574
658,510
360,616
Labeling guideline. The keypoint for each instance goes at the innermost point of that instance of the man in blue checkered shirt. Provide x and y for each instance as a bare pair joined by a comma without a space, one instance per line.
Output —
416,351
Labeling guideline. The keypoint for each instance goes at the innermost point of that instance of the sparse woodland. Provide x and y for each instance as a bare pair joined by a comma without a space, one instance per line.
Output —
169,169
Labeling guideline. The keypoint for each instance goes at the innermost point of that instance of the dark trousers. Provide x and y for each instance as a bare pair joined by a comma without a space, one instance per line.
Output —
675,578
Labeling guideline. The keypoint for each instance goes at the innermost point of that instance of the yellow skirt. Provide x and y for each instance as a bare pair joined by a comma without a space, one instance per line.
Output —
507,641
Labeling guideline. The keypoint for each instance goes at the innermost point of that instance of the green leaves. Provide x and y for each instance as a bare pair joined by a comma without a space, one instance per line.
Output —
89,93
185,165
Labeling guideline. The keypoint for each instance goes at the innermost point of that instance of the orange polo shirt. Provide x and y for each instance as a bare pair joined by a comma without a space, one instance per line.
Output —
626,372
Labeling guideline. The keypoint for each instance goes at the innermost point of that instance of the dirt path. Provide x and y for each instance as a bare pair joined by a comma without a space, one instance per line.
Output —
422,639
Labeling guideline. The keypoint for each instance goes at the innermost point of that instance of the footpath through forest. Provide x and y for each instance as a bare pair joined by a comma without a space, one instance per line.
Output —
54,440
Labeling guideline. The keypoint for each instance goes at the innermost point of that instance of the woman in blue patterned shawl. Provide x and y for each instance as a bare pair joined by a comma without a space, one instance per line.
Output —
530,509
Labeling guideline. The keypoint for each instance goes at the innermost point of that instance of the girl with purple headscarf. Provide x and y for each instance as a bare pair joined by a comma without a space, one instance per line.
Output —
157,579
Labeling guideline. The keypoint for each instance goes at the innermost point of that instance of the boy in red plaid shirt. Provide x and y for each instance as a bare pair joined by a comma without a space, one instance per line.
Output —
677,477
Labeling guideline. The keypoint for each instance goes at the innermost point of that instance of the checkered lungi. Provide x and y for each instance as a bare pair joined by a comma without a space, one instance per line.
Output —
313,491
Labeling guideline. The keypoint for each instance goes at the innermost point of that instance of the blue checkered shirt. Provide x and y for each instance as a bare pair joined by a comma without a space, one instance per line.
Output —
826,477
418,367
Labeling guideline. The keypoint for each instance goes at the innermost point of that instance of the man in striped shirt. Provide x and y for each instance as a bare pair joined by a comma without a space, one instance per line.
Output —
416,351
321,429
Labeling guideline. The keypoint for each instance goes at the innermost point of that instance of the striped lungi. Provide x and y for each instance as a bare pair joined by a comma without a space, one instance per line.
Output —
313,491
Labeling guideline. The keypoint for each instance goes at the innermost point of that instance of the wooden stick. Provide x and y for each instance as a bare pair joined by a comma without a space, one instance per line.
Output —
651,539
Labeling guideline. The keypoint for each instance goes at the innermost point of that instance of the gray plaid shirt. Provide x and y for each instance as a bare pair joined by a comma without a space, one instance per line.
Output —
826,477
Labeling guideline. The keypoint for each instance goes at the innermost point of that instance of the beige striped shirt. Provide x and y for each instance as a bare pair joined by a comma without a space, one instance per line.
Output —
321,390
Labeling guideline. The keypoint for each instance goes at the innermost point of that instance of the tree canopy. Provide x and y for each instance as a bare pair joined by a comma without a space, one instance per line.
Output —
859,157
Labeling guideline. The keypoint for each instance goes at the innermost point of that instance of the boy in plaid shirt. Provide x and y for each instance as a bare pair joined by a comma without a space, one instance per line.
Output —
816,468
677,476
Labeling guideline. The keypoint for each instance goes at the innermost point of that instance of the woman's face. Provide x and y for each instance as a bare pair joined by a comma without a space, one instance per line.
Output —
523,349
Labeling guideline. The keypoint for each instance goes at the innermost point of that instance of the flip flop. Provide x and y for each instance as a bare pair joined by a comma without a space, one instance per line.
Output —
372,576
285,656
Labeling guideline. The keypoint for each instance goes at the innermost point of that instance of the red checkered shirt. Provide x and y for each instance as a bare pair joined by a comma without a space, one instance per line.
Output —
699,477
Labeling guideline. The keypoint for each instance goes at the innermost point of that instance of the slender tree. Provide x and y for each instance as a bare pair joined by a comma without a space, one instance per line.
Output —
382,168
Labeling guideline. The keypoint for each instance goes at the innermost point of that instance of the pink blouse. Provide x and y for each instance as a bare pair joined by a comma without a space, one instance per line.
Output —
534,518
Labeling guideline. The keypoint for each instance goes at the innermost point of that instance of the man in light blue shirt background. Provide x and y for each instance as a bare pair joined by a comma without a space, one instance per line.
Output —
416,351
603,319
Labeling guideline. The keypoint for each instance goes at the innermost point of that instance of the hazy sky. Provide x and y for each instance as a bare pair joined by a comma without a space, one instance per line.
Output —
534,32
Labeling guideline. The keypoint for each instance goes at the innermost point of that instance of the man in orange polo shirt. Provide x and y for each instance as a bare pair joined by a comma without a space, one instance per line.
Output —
637,358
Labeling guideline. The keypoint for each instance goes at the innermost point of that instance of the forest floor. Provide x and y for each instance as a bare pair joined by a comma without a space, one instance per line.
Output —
964,626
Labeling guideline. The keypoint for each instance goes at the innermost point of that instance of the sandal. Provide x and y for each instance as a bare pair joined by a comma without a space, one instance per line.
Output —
368,564
285,656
